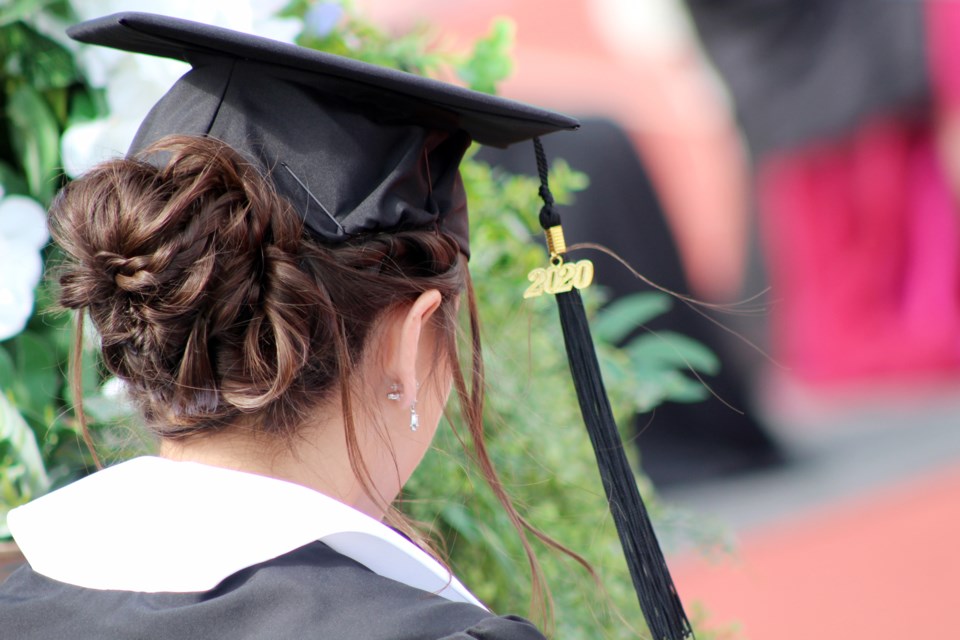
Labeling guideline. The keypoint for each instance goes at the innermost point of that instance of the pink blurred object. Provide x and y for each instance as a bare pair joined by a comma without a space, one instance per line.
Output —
862,238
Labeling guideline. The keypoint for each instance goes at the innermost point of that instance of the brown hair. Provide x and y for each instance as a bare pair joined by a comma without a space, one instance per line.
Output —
216,308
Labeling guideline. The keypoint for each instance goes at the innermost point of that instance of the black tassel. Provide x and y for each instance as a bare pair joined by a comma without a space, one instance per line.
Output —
656,592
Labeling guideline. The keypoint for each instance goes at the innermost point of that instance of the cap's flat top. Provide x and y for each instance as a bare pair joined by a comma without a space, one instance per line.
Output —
488,119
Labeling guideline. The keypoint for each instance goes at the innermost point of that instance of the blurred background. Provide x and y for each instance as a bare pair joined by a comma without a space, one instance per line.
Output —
802,156
790,170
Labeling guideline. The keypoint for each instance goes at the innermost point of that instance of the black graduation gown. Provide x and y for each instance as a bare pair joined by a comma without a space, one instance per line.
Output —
114,589
313,592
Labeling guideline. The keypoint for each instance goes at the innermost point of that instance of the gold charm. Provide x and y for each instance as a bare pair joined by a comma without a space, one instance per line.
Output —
559,277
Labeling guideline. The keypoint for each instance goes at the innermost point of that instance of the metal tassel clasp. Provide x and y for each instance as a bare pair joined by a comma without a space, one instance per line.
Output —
560,276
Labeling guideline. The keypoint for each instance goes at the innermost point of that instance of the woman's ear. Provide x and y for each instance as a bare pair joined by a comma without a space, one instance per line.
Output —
404,343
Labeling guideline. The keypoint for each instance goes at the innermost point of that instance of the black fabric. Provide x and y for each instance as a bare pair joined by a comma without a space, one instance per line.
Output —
661,606
680,443
310,593
488,119
808,69
356,148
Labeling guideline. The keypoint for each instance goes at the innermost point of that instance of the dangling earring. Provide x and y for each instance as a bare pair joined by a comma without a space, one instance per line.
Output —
395,392
414,418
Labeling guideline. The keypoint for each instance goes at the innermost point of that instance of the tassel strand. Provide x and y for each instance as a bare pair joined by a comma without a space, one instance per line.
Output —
656,592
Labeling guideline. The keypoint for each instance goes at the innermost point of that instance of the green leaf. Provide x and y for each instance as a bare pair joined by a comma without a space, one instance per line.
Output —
654,387
35,134
671,350
87,105
565,181
490,63
12,11
617,320
12,180
680,388
38,374
8,372
22,472
41,62
615,366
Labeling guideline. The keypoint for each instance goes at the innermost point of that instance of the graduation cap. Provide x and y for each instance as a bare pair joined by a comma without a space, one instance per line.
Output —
360,149
355,147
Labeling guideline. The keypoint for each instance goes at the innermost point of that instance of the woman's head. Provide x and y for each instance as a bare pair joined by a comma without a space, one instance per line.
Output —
219,310
241,284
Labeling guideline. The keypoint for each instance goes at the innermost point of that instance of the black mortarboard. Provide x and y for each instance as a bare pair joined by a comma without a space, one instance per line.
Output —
361,149
355,147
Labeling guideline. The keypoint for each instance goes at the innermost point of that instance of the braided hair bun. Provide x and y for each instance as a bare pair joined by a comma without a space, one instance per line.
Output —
210,299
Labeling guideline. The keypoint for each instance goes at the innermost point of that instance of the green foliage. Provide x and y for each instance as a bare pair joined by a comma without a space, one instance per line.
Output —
490,64
33,378
22,472
41,93
42,88
355,37
35,139
620,318
652,367
34,11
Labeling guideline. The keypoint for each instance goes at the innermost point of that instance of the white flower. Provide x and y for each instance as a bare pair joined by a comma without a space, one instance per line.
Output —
84,145
23,233
650,27
115,390
134,82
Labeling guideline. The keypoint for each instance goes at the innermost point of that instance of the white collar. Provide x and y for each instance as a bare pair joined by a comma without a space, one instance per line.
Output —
154,525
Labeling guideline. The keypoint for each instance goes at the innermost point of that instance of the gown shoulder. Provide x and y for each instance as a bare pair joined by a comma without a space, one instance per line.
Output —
311,592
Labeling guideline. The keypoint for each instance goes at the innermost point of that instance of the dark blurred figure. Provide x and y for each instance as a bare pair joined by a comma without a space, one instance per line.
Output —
850,109
679,442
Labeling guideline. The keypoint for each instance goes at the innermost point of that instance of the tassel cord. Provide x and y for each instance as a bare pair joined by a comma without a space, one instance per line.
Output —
651,578
655,589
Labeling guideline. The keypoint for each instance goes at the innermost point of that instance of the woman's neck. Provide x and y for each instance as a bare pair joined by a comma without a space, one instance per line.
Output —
316,458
